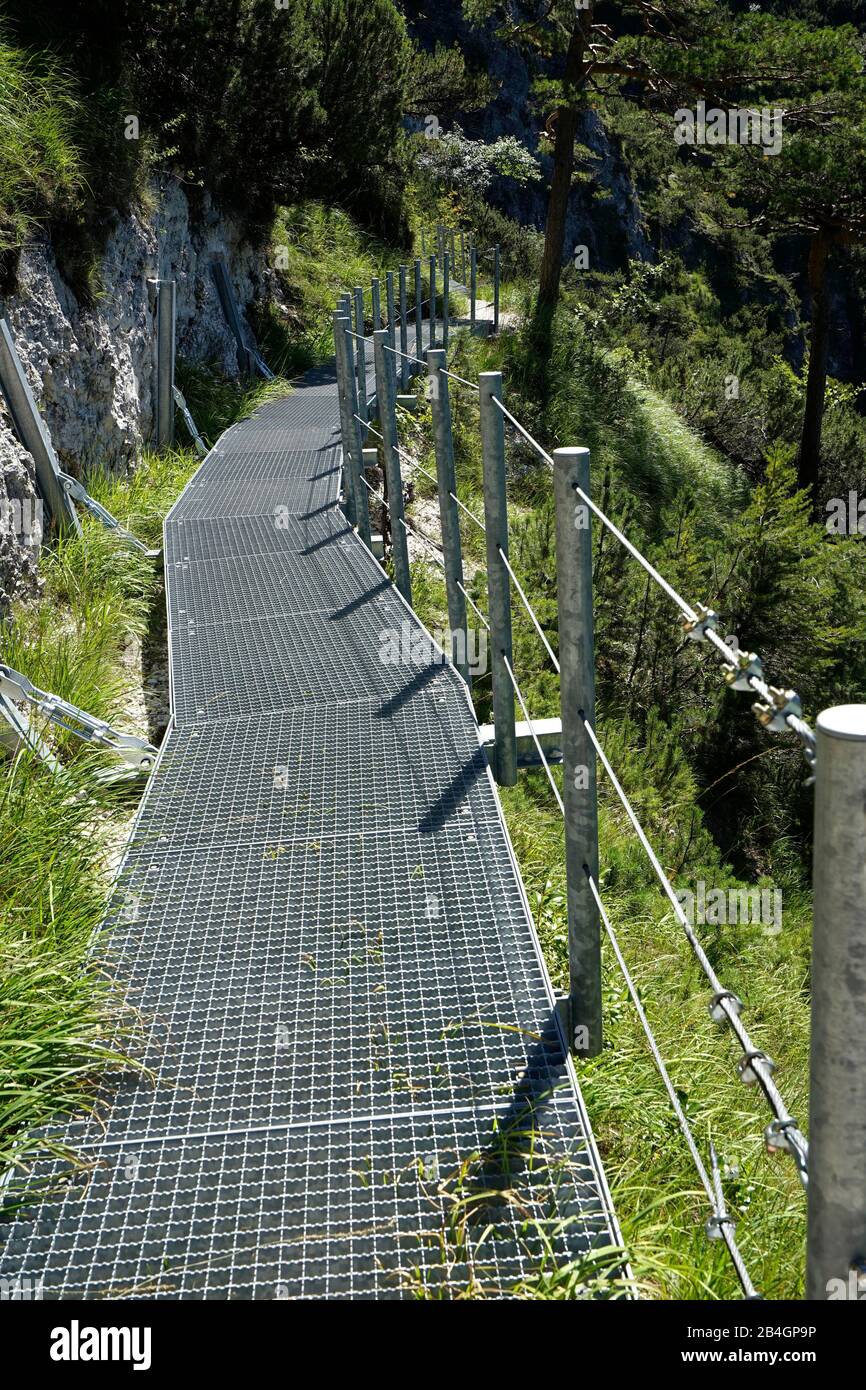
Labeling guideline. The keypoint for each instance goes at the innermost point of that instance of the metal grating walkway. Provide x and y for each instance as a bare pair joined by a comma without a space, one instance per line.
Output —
356,1082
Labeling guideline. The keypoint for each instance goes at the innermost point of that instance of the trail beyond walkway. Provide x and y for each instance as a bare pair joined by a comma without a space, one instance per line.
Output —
355,1083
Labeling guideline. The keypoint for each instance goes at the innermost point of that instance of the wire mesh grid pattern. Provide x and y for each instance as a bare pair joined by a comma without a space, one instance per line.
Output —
301,979
215,538
363,1210
323,942
313,772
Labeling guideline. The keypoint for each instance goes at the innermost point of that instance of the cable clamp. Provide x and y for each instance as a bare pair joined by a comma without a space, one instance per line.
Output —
714,1226
696,628
777,1138
717,1013
774,716
746,1066
748,667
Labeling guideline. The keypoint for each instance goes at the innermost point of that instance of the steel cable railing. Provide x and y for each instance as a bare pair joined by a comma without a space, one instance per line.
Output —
779,710
721,1224
755,1063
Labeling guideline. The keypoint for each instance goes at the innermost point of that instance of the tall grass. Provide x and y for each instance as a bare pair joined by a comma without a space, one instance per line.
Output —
59,832
39,163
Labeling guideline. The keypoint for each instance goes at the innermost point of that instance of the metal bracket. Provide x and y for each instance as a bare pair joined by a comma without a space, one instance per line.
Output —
746,1066
777,1138
191,425
33,432
785,703
749,667
548,733
696,628
77,490
717,1012
137,753
248,357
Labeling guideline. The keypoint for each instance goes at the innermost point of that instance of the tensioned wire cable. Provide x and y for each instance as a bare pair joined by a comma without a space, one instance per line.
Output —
723,1223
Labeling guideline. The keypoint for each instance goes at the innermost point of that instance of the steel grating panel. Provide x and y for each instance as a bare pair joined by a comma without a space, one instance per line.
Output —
314,465
283,438
293,496
311,772
301,979
322,936
212,538
227,670
324,578
363,1211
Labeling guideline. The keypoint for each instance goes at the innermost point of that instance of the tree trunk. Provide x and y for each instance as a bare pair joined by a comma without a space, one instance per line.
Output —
816,382
563,165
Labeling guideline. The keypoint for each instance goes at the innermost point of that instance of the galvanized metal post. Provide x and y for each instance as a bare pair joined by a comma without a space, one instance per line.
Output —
496,277
453,248
419,312
392,313
463,256
448,513
377,305
836,1265
498,582
577,696
446,295
361,352
404,331
166,305
473,284
347,481
386,395
353,461
432,315
33,433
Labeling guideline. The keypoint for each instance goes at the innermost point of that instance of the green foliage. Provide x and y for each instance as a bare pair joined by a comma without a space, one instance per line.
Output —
441,84
57,834
258,104
40,171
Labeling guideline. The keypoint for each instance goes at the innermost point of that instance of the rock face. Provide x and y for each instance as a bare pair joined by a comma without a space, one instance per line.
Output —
92,369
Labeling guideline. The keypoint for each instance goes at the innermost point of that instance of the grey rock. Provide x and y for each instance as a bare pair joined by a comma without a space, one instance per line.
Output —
92,368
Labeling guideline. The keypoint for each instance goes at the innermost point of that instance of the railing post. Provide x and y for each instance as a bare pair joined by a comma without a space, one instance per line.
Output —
166,307
390,308
33,434
419,313
347,482
361,352
446,294
836,1265
496,282
498,582
386,394
447,481
577,696
473,284
404,331
432,300
353,462
377,305
463,256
